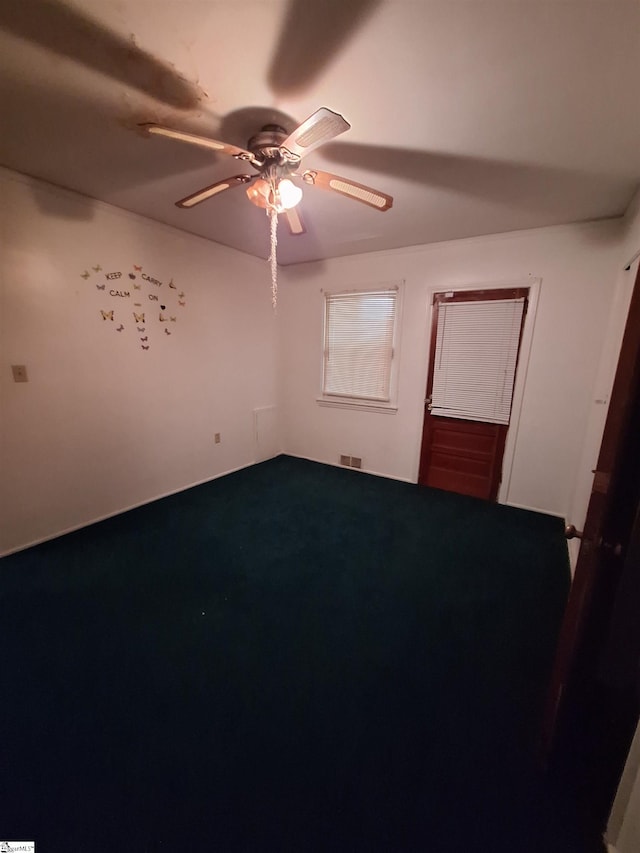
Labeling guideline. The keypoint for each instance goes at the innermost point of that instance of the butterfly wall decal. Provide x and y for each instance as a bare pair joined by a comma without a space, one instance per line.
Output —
139,318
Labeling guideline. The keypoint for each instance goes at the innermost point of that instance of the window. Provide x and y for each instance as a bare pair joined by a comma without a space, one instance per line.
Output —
477,346
358,361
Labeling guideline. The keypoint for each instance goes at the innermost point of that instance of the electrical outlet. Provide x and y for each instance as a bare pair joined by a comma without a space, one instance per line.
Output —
216,438
19,373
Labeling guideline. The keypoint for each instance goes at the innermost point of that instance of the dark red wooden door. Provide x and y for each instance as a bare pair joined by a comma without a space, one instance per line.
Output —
460,455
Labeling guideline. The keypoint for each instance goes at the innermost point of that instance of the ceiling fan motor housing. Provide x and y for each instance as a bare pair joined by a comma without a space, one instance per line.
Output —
266,146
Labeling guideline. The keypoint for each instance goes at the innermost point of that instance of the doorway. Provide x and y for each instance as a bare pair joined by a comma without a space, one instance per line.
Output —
476,337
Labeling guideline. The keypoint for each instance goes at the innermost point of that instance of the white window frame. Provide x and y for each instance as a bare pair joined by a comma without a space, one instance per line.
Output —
359,403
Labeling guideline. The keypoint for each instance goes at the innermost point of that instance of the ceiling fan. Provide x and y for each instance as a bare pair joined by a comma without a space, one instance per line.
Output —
277,156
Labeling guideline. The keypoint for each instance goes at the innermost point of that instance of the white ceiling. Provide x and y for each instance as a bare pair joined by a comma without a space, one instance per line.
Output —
477,117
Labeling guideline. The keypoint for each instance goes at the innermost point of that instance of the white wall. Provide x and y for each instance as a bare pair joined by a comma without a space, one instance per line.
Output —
102,424
576,265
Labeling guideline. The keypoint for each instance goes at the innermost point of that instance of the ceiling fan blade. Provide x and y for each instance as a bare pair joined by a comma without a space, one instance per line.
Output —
351,189
294,219
319,128
202,141
313,34
214,189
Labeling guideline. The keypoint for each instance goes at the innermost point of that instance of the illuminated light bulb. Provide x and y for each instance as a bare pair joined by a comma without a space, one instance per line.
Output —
286,196
289,193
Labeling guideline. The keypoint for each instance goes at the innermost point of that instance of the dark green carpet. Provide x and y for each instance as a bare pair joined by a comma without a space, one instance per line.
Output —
294,657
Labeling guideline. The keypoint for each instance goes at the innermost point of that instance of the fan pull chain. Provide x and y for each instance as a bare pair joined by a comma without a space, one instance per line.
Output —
273,213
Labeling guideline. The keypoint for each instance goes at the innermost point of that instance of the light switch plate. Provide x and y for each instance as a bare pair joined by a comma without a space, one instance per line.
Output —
19,373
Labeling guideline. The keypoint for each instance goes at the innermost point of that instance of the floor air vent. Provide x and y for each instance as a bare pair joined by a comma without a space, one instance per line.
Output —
351,461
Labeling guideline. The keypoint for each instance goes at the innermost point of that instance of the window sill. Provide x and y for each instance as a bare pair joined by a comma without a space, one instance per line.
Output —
359,405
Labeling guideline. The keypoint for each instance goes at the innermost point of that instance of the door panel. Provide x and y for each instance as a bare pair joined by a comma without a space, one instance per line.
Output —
463,456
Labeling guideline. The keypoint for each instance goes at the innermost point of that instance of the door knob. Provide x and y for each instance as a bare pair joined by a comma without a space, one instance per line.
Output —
616,549
571,532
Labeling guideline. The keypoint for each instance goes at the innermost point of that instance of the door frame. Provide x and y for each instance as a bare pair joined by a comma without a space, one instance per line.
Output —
534,283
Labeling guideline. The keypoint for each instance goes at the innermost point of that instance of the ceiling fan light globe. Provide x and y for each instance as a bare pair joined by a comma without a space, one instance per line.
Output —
289,194
286,196
259,193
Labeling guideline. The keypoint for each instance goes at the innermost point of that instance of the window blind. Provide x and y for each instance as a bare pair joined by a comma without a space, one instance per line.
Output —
475,359
358,344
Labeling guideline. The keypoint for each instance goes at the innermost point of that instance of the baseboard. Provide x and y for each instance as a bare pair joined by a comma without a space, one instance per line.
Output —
347,468
412,482
534,509
122,510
